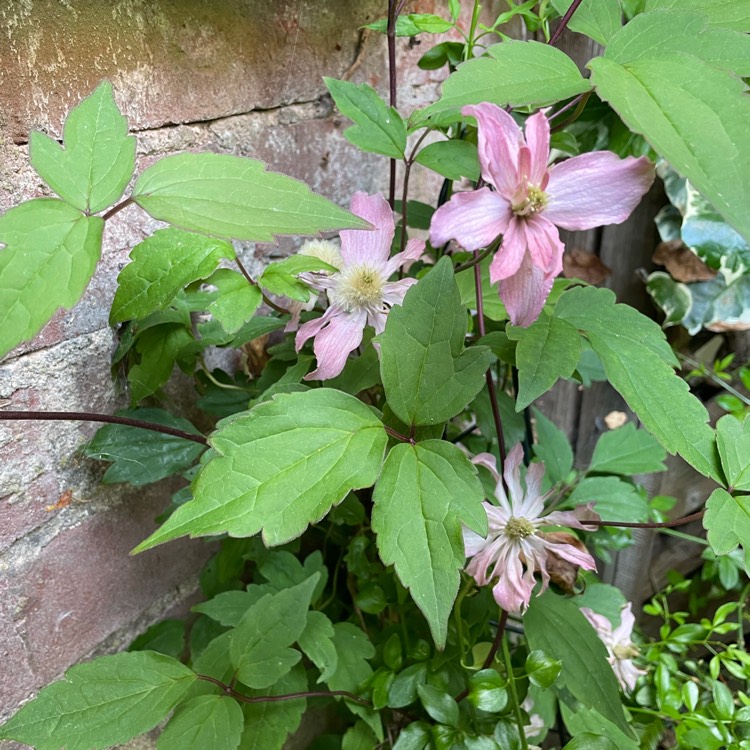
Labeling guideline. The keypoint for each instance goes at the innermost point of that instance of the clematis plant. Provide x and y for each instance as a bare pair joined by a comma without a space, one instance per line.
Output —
620,646
360,293
528,200
515,547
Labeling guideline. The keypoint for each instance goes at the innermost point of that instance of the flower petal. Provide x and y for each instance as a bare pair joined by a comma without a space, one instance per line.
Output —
498,140
473,219
512,474
489,462
509,256
312,328
543,242
369,245
525,293
513,590
571,554
473,543
571,519
413,251
395,291
596,188
336,341
537,139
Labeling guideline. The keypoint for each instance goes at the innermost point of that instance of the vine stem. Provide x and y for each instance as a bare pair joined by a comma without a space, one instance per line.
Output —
514,694
391,37
116,209
84,416
488,375
253,282
399,436
655,525
229,690
564,22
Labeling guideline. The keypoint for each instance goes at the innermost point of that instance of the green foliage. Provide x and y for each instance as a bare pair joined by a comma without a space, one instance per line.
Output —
141,456
650,93
422,496
627,451
238,299
556,626
427,374
339,441
451,159
638,362
727,521
377,127
160,267
166,637
259,645
134,692
733,439
552,448
50,255
730,14
598,19
93,166
213,722
231,196
515,73
547,350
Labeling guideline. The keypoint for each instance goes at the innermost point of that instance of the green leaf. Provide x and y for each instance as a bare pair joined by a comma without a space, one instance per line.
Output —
377,127
542,669
209,722
50,255
516,73
662,32
730,14
451,159
627,451
638,362
359,737
430,23
141,456
552,448
158,349
252,483
94,165
352,670
238,299
231,196
487,690
727,522
103,703
160,267
422,496
229,607
671,296
601,734
555,625
445,53
259,645
588,741
166,637
280,277
316,642
416,736
427,375
404,26
547,350
614,500
654,99
733,439
439,705
269,723
603,598
598,19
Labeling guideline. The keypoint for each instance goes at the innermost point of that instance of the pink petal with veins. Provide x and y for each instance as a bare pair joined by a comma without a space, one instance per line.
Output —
474,219
525,293
336,341
369,245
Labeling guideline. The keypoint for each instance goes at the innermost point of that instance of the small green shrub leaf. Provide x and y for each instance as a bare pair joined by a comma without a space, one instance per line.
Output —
96,161
231,196
627,451
210,722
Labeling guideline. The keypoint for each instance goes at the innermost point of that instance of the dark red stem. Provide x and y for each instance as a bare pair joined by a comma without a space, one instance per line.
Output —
83,416
116,209
655,525
391,36
564,22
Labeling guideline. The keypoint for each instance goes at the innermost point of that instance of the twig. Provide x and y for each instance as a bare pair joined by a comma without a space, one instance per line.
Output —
654,525
83,416
564,22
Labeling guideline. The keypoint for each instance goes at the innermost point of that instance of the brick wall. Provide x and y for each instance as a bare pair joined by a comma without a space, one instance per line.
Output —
236,76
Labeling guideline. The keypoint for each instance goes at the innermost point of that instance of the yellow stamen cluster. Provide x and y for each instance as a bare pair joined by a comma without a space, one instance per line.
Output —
519,528
533,203
358,286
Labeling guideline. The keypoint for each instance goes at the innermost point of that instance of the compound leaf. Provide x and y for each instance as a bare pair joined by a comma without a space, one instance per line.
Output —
210,722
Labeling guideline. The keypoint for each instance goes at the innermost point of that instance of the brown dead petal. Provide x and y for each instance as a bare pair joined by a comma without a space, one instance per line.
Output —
578,264
681,262
561,572
256,355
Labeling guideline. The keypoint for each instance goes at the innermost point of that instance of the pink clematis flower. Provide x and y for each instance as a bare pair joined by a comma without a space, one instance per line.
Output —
530,201
515,548
360,293
619,645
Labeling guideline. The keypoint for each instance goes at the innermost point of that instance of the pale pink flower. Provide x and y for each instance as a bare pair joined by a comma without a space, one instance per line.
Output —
515,548
530,201
620,647
360,294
